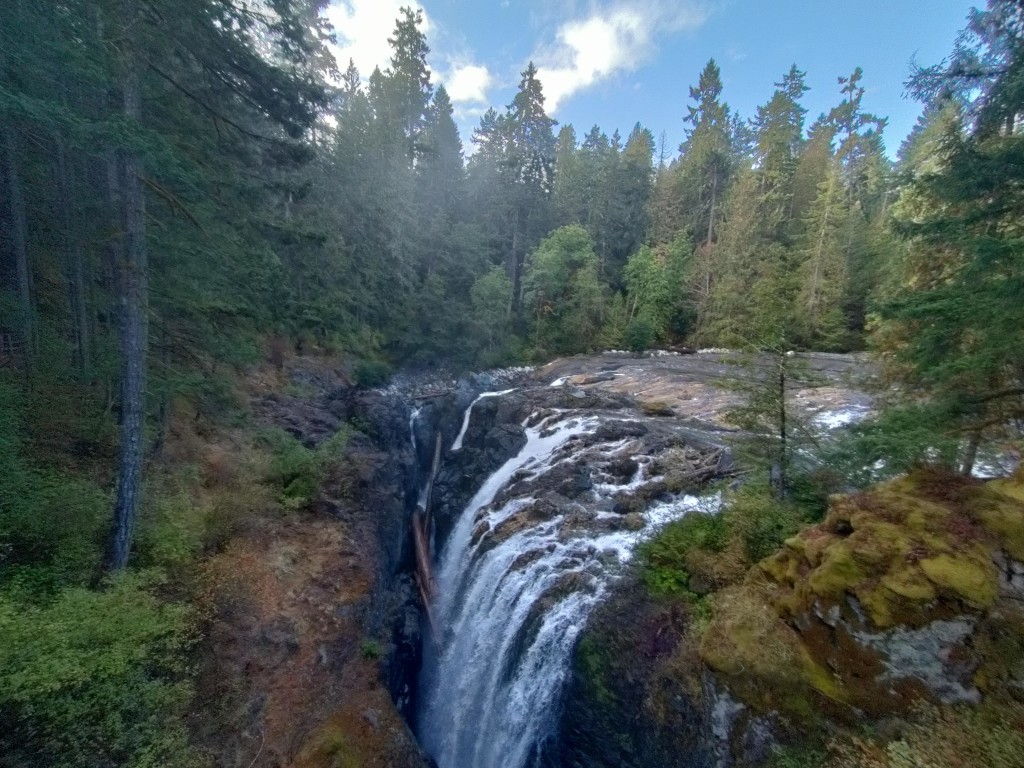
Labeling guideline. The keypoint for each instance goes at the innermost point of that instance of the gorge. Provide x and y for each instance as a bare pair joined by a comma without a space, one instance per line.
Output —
543,495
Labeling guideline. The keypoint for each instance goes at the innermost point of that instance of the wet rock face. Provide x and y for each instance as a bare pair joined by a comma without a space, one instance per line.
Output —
619,709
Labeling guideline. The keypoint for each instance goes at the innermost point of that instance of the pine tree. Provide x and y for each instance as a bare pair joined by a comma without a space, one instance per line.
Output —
408,84
705,165
778,130
948,324
529,168
823,269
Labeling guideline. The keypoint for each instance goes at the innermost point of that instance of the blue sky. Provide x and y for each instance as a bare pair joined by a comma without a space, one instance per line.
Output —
617,62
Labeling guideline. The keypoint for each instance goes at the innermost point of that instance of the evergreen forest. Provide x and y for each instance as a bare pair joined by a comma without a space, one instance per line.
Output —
193,190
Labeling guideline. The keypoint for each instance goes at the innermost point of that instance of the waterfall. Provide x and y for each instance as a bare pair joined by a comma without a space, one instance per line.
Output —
413,415
457,445
515,590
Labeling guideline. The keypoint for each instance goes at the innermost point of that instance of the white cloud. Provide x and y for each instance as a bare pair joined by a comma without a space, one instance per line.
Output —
468,83
363,28
617,38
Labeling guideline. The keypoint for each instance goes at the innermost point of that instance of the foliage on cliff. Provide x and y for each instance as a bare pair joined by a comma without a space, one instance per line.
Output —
905,593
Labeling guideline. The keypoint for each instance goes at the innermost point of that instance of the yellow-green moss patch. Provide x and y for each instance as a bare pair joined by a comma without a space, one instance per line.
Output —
910,583
839,571
1001,514
972,577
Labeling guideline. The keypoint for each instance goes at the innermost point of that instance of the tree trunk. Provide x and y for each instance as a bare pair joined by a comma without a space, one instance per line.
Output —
513,267
711,210
783,489
16,213
971,453
819,253
73,264
133,302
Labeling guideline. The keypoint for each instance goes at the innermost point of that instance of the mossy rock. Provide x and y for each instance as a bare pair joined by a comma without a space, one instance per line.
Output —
1000,511
783,567
838,572
656,408
331,747
901,549
910,583
971,577
746,637
763,658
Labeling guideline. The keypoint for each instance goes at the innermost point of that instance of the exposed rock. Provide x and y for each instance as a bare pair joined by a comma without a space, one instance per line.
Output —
903,594
315,635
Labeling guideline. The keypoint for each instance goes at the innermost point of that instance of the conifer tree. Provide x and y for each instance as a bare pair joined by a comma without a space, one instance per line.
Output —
948,323
530,171
408,80
823,268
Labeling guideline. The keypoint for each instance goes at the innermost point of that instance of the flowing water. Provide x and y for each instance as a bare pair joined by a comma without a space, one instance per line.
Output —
515,589
457,445
546,535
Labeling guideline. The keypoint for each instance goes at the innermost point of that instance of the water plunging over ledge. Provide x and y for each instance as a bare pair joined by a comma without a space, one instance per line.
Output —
517,579
545,536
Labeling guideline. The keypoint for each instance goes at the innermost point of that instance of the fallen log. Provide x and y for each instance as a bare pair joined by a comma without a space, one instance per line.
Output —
432,395
423,568
421,541
428,609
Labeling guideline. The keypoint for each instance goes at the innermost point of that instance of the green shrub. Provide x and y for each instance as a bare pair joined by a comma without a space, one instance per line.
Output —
640,334
95,678
298,471
371,373
663,558
173,527
370,649
51,523
761,521
719,547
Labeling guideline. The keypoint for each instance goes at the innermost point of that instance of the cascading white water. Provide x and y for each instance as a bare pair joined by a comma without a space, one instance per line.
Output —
457,445
511,608
413,415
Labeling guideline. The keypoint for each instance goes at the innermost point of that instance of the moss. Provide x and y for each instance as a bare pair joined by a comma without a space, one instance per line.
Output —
763,658
592,663
999,641
910,583
839,571
1011,486
879,543
820,679
746,637
795,543
656,408
1001,513
330,748
887,608
782,568
972,578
